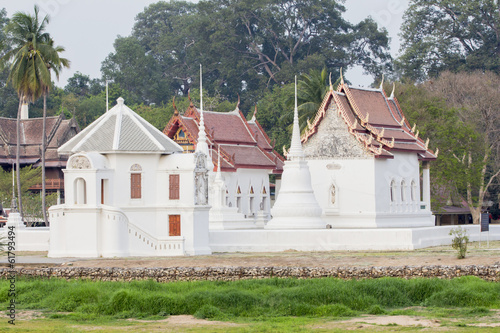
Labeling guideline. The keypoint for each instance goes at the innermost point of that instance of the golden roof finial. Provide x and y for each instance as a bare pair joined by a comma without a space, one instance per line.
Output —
331,85
189,98
416,135
414,127
437,152
176,112
402,121
427,143
238,105
285,153
341,77
382,83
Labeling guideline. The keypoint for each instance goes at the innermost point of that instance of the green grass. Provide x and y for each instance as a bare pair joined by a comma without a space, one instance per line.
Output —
82,300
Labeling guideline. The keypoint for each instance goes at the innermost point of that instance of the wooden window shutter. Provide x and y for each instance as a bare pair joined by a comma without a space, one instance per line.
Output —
174,187
135,185
174,225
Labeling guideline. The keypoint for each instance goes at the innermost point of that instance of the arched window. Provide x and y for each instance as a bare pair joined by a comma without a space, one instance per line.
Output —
403,190
251,197
413,190
80,191
393,191
333,194
135,181
238,199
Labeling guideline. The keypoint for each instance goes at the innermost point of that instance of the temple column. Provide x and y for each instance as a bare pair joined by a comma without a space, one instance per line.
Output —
426,184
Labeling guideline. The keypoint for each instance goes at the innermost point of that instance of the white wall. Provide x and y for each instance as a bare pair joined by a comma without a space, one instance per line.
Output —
355,190
379,239
246,178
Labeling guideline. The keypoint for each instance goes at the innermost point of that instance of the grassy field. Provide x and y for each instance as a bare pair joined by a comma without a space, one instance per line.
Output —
270,305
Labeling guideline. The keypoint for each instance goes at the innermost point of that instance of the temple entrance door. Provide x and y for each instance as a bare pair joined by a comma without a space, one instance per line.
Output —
174,225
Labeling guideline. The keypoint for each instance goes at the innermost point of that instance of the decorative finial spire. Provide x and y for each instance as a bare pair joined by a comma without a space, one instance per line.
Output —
402,121
341,77
218,175
201,92
381,83
189,98
120,101
437,152
176,112
254,117
416,135
202,145
238,105
393,89
427,143
330,79
295,152
414,127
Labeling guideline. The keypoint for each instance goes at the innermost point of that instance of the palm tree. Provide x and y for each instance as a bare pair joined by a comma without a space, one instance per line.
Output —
312,88
33,56
54,63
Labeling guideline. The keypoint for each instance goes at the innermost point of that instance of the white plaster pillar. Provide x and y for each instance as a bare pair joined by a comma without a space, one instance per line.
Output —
426,185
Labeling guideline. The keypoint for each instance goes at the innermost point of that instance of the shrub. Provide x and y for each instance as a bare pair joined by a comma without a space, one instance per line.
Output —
460,241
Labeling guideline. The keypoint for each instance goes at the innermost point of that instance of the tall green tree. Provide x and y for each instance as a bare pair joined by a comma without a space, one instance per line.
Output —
33,56
459,113
439,35
246,47
54,63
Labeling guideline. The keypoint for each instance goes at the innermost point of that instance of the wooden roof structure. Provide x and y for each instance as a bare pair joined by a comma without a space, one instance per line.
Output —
375,120
241,143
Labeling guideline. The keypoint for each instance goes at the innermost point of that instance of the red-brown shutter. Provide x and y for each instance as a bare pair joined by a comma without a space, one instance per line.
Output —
174,225
174,187
135,186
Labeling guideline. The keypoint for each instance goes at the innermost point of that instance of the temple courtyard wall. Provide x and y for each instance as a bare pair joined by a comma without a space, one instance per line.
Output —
379,239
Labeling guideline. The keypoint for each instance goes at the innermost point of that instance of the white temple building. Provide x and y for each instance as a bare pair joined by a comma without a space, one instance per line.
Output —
365,162
351,182
130,191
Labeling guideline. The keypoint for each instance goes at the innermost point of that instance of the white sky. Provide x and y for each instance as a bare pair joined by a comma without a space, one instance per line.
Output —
88,28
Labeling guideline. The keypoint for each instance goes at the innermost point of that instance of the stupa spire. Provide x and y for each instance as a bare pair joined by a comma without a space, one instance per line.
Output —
218,175
202,145
295,152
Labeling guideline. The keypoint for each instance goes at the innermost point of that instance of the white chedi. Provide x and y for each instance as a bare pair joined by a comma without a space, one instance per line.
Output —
296,206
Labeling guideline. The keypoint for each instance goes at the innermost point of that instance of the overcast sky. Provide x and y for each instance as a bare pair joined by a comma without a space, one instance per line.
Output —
88,28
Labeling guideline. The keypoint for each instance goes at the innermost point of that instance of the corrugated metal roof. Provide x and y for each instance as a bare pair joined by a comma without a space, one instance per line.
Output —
120,130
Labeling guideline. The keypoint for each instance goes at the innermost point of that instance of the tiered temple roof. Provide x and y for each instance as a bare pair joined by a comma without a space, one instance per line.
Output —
242,143
59,130
375,120
120,130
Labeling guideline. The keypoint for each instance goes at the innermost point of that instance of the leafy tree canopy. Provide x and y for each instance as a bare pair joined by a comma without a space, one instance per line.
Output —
453,35
245,47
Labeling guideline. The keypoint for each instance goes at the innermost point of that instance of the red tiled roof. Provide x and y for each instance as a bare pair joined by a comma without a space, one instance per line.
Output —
242,144
375,120
261,136
249,156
